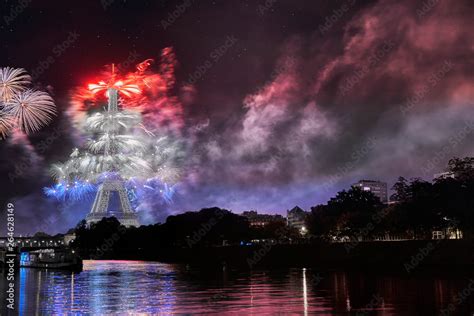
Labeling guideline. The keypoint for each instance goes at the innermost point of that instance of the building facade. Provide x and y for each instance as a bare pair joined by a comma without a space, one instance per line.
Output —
261,220
296,218
378,188
444,175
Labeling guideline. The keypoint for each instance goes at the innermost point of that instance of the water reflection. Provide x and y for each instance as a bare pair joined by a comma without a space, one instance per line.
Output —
305,293
108,287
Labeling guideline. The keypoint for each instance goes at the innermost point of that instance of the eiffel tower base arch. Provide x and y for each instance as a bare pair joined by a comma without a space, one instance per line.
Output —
112,201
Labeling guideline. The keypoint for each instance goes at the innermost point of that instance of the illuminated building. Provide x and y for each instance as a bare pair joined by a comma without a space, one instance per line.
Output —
261,220
296,218
378,188
444,175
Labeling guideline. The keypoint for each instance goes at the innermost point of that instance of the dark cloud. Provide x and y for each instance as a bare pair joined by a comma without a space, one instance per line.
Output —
386,98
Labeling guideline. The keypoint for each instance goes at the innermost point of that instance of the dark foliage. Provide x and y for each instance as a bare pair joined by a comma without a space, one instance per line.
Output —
418,208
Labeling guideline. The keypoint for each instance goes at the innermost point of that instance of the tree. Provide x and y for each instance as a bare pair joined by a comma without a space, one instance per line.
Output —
347,214
463,169
402,190
207,227
417,212
98,237
41,235
277,230
321,222
455,196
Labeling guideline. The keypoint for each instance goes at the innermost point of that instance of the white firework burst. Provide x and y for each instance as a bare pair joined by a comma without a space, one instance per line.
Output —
31,110
6,124
112,122
58,172
12,82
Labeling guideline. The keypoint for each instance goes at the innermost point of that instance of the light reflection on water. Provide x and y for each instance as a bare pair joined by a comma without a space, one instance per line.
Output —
131,287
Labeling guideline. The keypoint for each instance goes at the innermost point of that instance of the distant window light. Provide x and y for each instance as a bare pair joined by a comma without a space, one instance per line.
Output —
366,188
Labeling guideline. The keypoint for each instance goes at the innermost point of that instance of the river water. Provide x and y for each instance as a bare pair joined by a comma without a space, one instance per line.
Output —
135,287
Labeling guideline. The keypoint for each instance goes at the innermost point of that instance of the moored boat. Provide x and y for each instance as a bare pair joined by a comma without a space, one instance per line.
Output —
50,258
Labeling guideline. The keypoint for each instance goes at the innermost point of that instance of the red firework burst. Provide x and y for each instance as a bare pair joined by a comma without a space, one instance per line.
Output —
142,89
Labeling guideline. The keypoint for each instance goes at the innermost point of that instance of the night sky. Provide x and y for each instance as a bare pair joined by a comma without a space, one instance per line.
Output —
307,97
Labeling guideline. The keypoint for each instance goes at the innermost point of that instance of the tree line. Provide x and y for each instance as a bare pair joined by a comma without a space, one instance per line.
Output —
418,208
209,227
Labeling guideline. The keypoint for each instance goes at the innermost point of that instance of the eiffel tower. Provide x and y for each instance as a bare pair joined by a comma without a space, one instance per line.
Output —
112,199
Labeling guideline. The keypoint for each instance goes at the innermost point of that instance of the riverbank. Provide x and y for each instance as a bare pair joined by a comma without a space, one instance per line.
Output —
400,255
